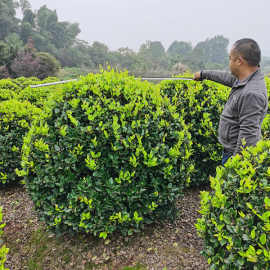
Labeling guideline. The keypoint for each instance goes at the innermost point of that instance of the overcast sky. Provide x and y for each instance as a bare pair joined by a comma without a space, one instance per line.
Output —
127,23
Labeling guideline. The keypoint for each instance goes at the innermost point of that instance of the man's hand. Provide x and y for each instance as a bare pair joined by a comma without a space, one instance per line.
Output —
197,76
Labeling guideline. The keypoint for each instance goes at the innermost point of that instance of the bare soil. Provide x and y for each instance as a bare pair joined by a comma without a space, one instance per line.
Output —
164,246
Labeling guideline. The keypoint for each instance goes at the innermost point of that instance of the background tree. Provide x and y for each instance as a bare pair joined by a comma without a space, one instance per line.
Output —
153,54
8,21
48,65
99,54
179,48
30,63
212,52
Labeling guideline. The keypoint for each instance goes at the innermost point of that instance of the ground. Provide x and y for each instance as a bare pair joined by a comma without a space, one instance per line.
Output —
160,247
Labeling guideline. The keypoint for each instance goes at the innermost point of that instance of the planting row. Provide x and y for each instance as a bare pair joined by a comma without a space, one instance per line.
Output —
112,153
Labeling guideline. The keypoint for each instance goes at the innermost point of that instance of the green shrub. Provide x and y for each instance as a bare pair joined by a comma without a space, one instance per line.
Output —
23,82
15,118
8,84
235,222
203,103
36,96
267,82
3,249
112,154
48,65
7,89
6,94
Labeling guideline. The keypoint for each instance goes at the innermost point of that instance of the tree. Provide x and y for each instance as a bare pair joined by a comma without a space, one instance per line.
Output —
8,21
153,54
48,65
99,54
25,64
24,5
30,63
60,34
212,50
179,48
4,72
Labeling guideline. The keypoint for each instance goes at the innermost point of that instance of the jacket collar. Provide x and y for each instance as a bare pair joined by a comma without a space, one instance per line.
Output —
246,80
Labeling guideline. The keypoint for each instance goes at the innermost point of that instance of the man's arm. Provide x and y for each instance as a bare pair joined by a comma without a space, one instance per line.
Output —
222,77
251,109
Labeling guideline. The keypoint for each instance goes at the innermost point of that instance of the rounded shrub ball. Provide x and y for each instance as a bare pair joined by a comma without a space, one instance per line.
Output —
111,154
202,103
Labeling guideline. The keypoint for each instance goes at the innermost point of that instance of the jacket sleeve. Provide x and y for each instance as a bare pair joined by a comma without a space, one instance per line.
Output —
251,107
222,77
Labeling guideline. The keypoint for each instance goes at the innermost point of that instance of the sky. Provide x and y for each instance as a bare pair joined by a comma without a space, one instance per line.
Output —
126,23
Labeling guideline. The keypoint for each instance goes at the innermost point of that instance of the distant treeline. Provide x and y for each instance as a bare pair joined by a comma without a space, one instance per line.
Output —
39,44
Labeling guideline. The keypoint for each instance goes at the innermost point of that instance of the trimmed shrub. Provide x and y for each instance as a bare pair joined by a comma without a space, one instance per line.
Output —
8,89
202,103
23,82
8,84
235,222
111,155
48,65
39,95
3,249
15,118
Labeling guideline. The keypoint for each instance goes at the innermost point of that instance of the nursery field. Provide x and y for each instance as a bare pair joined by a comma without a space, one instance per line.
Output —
111,172
160,246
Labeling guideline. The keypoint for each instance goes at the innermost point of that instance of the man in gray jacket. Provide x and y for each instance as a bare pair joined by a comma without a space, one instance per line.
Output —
247,104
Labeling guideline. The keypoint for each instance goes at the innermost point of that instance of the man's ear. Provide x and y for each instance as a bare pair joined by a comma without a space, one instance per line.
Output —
241,60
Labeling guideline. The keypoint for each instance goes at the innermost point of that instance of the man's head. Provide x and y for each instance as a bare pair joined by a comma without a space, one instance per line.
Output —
244,55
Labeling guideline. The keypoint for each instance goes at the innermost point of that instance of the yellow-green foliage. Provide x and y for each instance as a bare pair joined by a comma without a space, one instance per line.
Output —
3,249
202,103
39,95
8,89
235,222
23,82
112,154
15,119
267,81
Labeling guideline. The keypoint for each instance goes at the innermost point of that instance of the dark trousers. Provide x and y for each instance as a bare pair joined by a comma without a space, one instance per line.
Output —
225,156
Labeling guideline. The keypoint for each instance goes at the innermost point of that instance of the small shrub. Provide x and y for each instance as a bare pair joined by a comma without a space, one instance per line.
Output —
15,118
38,95
23,82
48,65
3,249
235,222
8,90
111,154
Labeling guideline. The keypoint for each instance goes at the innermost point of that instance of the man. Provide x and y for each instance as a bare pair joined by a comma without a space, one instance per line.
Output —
247,104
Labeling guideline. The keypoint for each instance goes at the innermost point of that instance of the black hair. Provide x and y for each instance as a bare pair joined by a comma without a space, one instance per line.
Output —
249,50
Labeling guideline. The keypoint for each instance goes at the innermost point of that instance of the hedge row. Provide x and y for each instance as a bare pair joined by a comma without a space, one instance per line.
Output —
113,153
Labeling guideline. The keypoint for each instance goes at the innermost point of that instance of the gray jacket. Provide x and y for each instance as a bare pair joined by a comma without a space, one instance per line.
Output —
244,111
